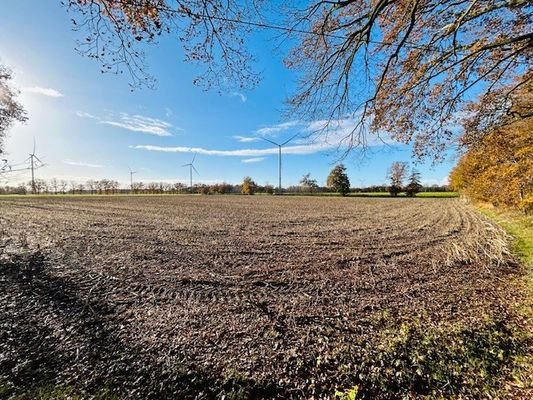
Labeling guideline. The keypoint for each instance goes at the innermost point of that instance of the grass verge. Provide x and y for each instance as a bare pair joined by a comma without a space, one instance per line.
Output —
520,228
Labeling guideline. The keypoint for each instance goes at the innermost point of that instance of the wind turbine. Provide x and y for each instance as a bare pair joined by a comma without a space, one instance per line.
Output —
191,167
280,145
131,178
32,157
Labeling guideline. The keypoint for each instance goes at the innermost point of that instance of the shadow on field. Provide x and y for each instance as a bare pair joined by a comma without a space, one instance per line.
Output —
56,343
61,340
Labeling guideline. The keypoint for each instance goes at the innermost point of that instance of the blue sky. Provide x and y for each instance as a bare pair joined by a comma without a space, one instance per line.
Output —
89,125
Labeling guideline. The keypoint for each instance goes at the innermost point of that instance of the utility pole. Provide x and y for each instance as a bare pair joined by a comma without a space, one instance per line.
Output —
280,145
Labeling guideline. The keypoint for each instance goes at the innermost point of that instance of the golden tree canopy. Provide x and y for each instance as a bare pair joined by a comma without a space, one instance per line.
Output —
497,166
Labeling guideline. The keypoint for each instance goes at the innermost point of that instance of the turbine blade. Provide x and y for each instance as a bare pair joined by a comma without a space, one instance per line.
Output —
33,145
194,158
277,144
287,141
197,173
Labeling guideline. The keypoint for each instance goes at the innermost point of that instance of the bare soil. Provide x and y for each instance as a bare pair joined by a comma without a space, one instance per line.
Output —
250,297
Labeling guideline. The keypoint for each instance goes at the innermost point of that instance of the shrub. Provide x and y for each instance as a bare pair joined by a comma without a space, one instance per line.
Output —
248,186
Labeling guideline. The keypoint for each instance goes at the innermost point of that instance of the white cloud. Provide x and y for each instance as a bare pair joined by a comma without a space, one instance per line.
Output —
82,114
139,123
269,130
49,92
297,149
345,132
435,181
240,95
253,160
135,123
246,139
320,125
337,135
82,164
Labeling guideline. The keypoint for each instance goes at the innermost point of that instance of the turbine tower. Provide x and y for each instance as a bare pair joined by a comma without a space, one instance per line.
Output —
131,179
191,167
280,145
32,162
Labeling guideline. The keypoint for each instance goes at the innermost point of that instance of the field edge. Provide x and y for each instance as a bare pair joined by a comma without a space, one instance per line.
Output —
520,228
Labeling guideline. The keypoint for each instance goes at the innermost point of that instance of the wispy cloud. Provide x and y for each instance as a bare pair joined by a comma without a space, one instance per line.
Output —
253,160
346,132
297,149
246,139
139,123
328,134
273,129
49,92
436,181
82,164
82,114
135,123
240,95
317,136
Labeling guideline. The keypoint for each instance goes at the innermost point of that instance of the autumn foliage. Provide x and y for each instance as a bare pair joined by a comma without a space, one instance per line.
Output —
498,166
338,180
10,109
248,186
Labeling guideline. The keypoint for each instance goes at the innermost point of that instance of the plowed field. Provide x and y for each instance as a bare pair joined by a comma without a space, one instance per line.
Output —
249,297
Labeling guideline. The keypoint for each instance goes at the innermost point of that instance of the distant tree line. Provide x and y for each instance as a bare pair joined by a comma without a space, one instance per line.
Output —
338,182
56,186
110,187
397,173
434,188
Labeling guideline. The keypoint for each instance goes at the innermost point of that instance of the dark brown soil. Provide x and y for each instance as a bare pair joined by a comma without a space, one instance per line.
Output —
191,297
